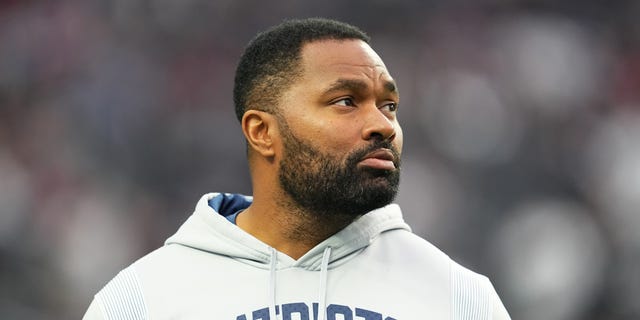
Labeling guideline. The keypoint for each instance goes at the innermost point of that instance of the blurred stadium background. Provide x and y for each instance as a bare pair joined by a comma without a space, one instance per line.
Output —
521,121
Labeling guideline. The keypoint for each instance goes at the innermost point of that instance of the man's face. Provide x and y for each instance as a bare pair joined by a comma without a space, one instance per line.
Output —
341,140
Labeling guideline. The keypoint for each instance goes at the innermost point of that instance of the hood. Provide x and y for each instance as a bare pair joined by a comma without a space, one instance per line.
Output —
209,230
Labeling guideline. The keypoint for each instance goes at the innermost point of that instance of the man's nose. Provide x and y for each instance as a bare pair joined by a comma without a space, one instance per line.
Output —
378,126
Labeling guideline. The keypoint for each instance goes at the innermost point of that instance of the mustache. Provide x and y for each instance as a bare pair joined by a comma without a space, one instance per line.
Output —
358,155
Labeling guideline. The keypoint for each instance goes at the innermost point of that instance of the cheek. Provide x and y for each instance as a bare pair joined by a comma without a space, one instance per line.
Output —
343,136
336,137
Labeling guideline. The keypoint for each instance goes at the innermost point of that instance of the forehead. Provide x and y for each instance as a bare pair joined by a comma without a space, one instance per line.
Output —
342,58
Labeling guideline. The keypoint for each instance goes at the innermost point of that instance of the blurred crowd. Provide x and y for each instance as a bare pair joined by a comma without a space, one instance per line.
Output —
521,123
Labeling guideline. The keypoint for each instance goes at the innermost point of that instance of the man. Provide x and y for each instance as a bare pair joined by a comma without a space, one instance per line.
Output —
319,239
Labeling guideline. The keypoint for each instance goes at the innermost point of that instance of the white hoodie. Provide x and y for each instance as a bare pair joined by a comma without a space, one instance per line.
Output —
374,269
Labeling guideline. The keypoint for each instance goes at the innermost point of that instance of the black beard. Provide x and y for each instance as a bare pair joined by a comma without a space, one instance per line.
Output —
325,186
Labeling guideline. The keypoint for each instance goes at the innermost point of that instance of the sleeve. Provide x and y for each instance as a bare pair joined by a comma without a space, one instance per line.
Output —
120,299
94,312
499,312
473,296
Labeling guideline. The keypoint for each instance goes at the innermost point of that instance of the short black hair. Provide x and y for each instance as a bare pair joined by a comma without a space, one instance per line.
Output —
271,61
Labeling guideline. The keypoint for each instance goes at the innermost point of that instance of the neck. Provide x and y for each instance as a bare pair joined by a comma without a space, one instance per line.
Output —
287,227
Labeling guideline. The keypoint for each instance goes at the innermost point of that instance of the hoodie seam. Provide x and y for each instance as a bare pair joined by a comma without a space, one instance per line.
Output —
370,235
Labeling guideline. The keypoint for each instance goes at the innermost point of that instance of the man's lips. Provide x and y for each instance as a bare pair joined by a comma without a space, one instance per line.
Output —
382,159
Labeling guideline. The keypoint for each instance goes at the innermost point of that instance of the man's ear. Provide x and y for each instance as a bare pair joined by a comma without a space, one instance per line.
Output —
259,128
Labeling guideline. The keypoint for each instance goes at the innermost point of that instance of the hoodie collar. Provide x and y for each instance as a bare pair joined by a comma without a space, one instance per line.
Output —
207,229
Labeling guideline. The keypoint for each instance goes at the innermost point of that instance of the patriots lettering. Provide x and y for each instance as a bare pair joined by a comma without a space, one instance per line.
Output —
298,308
301,311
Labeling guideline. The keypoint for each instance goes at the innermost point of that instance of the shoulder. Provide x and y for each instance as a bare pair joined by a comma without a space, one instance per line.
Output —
120,297
406,245
472,296
127,294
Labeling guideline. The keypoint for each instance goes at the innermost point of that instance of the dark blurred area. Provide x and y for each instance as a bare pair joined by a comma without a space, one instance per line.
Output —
521,123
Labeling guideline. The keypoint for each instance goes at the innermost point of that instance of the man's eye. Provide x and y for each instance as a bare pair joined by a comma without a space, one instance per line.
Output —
391,106
347,102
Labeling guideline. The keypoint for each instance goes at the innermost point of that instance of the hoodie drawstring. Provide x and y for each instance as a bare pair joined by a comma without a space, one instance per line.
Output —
322,298
272,285
322,295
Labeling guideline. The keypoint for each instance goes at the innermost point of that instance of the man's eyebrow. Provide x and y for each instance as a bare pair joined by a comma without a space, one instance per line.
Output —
346,84
390,86
356,85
